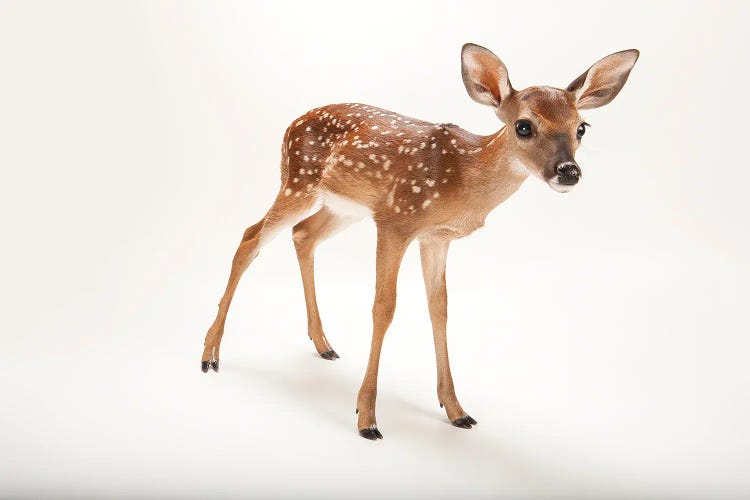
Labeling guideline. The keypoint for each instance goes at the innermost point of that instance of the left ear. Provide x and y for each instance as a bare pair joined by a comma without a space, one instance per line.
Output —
603,81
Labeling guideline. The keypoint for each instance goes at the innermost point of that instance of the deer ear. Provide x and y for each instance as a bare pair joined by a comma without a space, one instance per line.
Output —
603,81
485,75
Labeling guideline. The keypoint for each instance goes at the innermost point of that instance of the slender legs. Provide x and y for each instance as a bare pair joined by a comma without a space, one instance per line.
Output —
286,211
307,235
433,253
390,250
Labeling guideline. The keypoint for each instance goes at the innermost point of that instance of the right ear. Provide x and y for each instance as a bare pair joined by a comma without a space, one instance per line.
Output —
485,75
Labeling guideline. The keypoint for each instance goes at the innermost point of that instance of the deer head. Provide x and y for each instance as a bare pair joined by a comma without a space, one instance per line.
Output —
545,127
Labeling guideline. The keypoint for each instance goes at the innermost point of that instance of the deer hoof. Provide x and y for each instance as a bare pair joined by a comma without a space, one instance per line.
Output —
214,365
464,422
329,355
371,433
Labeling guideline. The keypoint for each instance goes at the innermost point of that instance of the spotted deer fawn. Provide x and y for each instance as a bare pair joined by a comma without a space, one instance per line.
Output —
417,180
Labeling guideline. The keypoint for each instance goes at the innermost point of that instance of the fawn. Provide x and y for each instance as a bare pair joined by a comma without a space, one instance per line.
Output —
417,180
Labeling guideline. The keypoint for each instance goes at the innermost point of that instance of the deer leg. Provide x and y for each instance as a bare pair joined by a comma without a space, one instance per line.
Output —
390,250
307,235
286,211
433,253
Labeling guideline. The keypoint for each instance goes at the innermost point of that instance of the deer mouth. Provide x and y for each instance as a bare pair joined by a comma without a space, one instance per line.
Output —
558,186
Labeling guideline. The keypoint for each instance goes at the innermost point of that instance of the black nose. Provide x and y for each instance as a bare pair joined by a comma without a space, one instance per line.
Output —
568,173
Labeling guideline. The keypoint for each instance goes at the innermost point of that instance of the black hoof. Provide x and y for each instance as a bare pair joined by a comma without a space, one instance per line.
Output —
204,366
371,433
215,366
464,422
329,355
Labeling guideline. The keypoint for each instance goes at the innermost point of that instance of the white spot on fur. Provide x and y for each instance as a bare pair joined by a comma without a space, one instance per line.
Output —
391,194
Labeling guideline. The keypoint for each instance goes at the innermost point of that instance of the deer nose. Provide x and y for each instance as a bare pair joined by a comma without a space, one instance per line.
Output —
568,173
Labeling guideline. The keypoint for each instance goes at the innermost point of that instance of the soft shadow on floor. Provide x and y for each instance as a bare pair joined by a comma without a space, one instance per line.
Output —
320,391
319,388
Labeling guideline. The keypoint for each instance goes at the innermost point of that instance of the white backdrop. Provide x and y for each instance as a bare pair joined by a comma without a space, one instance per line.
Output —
599,337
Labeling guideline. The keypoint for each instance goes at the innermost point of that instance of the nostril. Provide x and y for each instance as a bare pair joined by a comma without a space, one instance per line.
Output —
568,170
568,173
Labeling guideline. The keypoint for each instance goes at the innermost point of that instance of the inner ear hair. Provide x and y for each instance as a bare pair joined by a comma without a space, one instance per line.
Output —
484,91
485,76
601,83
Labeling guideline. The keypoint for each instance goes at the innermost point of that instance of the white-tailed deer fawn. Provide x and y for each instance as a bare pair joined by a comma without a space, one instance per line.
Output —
417,180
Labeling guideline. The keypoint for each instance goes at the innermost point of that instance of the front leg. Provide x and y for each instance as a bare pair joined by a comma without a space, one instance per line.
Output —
433,251
390,251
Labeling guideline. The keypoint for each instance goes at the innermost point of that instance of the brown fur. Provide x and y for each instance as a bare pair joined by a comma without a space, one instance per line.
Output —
418,180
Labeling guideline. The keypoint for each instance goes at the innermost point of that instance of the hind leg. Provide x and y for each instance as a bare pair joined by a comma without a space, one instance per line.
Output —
285,212
307,235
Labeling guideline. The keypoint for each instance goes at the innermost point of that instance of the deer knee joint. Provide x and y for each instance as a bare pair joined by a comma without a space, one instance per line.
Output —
252,231
299,235
303,244
384,309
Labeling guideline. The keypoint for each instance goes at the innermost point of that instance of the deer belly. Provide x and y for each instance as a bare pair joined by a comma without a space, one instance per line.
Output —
345,207
460,226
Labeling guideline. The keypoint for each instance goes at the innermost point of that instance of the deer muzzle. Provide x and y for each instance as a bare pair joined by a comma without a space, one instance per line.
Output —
567,175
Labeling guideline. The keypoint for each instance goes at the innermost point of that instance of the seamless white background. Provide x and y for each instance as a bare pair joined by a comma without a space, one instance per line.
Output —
600,338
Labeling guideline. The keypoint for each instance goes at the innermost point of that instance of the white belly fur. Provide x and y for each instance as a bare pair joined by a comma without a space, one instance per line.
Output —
345,207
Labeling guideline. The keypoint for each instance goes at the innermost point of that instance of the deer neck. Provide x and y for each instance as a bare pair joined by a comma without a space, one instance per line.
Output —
495,172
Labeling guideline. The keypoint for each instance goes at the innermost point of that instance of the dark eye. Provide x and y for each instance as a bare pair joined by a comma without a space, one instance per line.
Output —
523,128
581,130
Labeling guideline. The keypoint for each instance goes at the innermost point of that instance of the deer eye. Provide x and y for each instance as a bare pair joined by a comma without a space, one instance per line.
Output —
523,128
581,130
